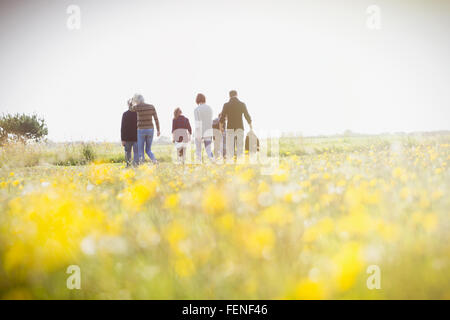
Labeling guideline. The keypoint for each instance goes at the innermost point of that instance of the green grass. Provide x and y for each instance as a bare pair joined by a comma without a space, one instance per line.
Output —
75,154
333,207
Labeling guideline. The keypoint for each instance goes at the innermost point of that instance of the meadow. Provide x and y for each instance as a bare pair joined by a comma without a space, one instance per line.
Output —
333,210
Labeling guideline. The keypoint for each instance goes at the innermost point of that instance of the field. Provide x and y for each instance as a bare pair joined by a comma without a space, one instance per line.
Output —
335,213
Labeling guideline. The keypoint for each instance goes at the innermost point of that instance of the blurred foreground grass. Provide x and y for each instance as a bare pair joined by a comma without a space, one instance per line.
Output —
332,208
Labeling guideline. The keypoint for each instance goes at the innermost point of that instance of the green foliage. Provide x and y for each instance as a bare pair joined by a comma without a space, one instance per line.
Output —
21,128
88,152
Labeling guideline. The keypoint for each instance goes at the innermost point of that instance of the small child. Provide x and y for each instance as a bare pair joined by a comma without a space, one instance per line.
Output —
181,132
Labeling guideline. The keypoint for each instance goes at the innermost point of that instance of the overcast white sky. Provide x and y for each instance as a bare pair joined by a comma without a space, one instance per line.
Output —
306,66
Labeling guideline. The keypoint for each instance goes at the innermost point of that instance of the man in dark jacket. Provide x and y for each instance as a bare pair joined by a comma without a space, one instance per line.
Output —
232,112
129,135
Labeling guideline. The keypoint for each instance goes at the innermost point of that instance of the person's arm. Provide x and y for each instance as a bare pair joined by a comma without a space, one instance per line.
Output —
196,115
247,116
223,116
155,117
197,123
122,130
173,130
189,127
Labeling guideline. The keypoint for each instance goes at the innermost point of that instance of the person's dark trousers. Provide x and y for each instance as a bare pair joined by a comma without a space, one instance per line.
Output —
131,145
224,144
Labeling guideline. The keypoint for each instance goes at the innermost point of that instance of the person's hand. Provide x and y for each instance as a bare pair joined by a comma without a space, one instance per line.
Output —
123,143
251,127
159,133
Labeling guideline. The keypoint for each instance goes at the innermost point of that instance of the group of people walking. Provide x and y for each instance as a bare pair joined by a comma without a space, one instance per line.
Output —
226,132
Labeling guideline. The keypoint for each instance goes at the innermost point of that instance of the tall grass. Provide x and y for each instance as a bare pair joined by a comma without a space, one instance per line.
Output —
19,155
64,154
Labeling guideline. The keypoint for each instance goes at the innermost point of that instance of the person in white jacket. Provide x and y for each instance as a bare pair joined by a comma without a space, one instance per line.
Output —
203,127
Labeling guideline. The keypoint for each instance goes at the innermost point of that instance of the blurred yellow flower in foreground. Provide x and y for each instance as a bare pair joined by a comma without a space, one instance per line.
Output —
232,231
348,263
214,200
127,175
45,230
260,241
322,228
429,221
308,290
100,173
356,223
225,222
171,201
136,195
280,176
277,215
175,233
184,266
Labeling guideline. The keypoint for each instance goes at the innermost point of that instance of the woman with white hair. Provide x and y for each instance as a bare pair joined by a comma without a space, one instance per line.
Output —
146,113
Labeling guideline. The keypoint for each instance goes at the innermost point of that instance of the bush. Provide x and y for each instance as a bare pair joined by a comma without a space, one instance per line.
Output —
21,128
88,153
